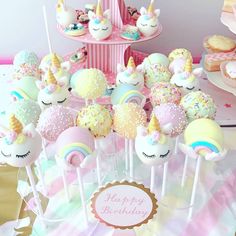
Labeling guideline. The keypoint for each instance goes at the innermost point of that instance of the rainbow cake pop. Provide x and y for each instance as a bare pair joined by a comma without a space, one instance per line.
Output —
20,146
26,111
73,146
100,26
198,105
91,84
130,74
204,138
52,92
164,93
125,93
25,88
127,117
148,23
151,145
96,118
188,80
171,117
53,121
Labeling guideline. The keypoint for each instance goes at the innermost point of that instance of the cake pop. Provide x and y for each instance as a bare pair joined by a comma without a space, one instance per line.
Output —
164,93
155,59
171,117
25,57
188,80
180,53
198,105
130,74
100,26
90,84
53,121
52,92
148,23
125,93
65,15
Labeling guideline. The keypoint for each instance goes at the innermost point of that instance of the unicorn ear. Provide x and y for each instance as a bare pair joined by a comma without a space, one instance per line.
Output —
140,68
66,65
63,81
40,84
157,12
91,15
216,156
143,11
187,150
30,130
198,72
3,131
120,68
107,14
141,131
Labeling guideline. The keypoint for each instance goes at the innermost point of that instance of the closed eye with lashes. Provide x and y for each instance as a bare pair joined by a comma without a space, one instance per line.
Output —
95,29
24,155
5,155
61,101
105,29
162,156
144,24
46,104
154,25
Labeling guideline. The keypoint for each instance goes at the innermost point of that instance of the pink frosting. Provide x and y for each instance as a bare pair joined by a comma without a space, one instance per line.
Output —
171,113
53,121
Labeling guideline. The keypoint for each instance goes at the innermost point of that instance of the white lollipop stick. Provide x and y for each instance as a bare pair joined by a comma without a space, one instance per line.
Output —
176,144
126,155
98,161
41,176
165,171
184,171
86,102
35,193
196,177
153,174
131,159
46,28
44,148
82,195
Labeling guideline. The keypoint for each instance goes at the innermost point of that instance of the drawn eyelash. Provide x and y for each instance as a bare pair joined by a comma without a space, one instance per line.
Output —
24,155
144,24
47,104
5,155
148,155
61,101
95,29
162,156
153,26
105,29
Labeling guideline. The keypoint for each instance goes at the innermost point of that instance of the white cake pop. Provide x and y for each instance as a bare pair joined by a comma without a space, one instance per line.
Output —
130,75
148,22
100,26
52,92
20,146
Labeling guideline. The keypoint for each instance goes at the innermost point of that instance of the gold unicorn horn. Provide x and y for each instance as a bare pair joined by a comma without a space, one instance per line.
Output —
131,63
50,78
55,61
154,125
15,124
151,7
99,11
188,66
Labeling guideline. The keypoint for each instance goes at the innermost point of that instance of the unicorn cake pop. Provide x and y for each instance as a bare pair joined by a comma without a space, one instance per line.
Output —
52,92
65,15
20,146
148,22
130,75
151,145
100,26
188,80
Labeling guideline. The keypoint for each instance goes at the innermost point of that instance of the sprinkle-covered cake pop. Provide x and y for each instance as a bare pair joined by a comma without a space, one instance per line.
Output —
164,93
204,138
188,80
198,105
51,92
53,121
180,53
130,75
91,84
20,146
127,117
25,88
100,26
172,118
25,57
73,146
125,93
96,118
156,73
151,145
155,59
65,15
26,111
148,23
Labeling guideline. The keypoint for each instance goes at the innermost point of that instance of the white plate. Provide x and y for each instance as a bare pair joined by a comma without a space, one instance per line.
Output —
216,79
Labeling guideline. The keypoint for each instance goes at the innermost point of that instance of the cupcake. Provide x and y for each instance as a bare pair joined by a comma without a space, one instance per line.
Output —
228,71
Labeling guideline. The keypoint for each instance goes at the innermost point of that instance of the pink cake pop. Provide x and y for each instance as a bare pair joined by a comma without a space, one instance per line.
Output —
53,121
171,117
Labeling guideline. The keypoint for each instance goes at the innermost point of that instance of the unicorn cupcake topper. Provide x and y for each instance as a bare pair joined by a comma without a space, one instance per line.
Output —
188,80
52,92
100,26
130,75
148,22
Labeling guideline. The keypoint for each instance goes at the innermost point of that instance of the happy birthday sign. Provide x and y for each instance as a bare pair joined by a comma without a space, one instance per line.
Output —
124,205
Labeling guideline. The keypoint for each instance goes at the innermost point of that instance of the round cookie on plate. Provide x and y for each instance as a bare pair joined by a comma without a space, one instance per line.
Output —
228,72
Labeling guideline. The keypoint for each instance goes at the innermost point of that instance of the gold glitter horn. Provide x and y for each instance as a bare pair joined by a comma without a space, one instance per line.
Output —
99,11
50,78
188,66
131,63
154,125
15,124
55,61
151,7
